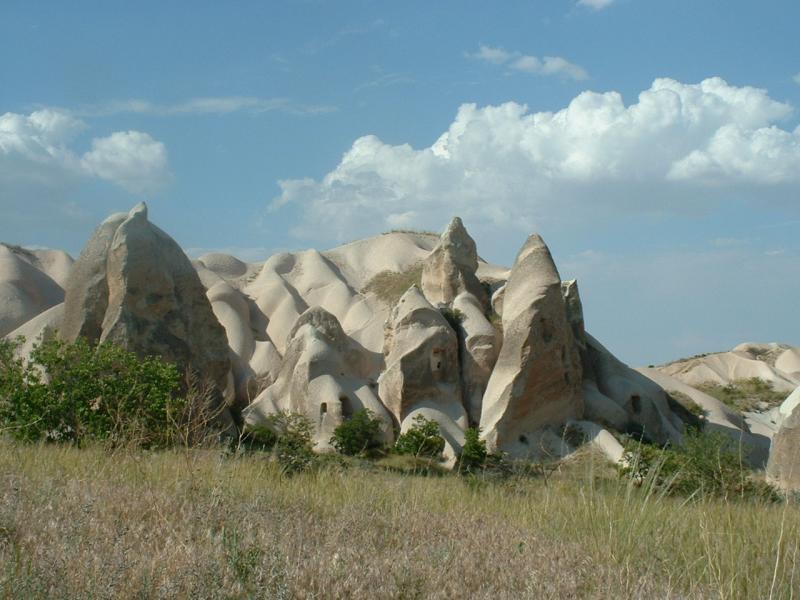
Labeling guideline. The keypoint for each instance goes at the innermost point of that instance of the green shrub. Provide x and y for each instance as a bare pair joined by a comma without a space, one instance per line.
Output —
75,392
358,434
707,464
291,441
474,455
421,439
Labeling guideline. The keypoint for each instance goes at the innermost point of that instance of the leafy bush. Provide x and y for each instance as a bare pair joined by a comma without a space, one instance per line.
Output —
707,464
75,392
745,394
358,434
421,439
474,454
293,447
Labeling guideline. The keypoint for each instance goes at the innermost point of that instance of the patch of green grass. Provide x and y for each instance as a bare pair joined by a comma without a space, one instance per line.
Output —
388,286
745,395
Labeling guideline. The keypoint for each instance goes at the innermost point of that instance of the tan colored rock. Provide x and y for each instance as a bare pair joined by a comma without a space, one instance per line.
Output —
323,376
451,266
783,467
497,300
133,286
745,361
572,300
25,290
537,379
643,402
479,346
422,371
42,327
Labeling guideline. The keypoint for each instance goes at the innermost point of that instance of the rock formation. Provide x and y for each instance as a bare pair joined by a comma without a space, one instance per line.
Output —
422,368
308,332
536,381
324,376
25,289
133,285
479,345
773,363
618,396
450,268
783,468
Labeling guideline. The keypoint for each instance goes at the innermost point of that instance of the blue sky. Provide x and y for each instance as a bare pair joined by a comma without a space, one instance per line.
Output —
653,144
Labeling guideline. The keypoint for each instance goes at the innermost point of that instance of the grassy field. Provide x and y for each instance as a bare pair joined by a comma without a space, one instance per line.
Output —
132,524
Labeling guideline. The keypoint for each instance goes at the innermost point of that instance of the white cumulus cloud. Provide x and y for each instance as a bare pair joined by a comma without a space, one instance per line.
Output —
507,166
131,159
596,4
526,63
37,149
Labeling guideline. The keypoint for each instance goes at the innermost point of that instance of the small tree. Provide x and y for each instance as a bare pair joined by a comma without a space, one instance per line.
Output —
358,434
291,441
421,439
76,392
474,453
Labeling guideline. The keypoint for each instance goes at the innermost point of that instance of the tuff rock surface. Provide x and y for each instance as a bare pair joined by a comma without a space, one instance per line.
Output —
324,376
133,286
536,381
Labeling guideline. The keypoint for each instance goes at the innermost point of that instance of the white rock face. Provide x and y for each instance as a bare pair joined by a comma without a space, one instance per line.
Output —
639,401
422,371
783,468
133,285
537,379
43,326
324,376
770,362
25,289
479,346
450,268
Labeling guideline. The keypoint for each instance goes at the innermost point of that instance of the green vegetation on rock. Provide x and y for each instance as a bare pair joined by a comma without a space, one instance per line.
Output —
358,434
745,395
388,286
706,465
422,439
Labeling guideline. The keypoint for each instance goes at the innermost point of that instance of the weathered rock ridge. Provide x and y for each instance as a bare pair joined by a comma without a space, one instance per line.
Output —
133,286
536,381
301,332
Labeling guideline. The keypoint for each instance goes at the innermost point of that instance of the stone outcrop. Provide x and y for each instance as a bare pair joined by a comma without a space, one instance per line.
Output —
422,370
479,344
625,399
537,379
450,268
783,467
25,289
133,286
323,376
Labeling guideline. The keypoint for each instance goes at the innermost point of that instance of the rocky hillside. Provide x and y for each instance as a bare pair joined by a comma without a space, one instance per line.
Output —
402,323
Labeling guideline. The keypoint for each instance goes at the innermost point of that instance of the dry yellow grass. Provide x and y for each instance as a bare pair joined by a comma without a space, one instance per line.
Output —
90,524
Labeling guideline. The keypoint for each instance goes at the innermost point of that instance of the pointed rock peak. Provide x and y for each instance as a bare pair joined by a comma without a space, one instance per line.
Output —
455,227
459,244
140,210
536,255
412,299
